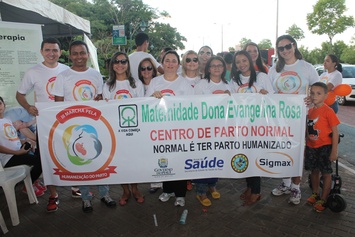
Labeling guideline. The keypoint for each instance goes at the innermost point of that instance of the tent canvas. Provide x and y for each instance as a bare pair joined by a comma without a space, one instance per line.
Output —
55,20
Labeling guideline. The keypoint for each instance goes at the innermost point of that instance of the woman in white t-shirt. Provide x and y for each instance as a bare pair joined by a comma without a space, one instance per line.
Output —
291,75
122,85
171,84
190,67
332,76
13,152
214,83
246,80
146,72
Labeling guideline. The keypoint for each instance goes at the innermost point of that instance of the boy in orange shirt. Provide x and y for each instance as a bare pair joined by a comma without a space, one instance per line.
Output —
322,144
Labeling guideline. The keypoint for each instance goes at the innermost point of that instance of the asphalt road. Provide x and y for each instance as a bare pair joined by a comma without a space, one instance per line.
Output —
346,116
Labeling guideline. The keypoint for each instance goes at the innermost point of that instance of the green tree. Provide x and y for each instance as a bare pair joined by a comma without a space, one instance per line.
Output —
265,44
243,42
348,56
296,32
305,53
103,14
328,18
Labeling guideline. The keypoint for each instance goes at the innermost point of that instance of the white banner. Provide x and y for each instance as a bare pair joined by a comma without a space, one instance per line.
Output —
20,46
148,140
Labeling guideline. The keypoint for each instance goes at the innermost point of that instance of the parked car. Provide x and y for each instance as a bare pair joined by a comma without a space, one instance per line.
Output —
348,78
319,68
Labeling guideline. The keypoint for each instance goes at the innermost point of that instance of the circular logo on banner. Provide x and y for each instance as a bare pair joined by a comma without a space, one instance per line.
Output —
240,163
81,140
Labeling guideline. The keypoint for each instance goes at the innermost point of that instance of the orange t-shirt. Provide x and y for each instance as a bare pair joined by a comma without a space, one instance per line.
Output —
319,125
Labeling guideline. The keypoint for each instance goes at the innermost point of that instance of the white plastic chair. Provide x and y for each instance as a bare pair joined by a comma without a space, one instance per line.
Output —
9,177
3,225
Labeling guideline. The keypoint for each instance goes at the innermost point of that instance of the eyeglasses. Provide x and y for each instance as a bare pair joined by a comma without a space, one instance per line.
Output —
287,46
122,61
214,66
149,68
195,60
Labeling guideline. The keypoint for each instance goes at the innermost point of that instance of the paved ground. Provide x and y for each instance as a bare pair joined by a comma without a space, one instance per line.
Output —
272,216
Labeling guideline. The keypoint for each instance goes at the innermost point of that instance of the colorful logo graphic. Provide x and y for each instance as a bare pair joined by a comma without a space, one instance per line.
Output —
246,89
84,90
218,92
128,115
122,94
49,87
167,92
82,144
240,163
10,132
163,169
76,144
288,83
163,162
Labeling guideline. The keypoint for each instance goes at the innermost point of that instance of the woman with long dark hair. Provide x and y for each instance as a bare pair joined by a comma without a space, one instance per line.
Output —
291,75
332,76
121,85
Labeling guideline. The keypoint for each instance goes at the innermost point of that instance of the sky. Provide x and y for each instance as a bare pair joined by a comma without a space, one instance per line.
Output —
202,22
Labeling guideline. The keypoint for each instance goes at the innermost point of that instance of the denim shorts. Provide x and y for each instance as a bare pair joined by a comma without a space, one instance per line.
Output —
318,159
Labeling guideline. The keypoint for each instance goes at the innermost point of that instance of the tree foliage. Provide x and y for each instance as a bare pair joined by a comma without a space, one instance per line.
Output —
265,44
296,32
328,18
348,55
243,42
103,14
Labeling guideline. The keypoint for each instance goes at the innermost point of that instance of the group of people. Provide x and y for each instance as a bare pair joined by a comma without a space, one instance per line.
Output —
198,73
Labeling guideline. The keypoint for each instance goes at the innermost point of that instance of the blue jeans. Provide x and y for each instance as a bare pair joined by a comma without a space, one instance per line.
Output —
85,191
202,188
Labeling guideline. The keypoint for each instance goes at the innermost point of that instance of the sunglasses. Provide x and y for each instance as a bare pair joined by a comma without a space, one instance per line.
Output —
149,68
287,46
122,61
195,60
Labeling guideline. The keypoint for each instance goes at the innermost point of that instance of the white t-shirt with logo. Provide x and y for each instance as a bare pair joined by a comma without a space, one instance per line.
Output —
335,78
8,139
40,79
262,82
179,86
203,87
78,86
294,78
123,90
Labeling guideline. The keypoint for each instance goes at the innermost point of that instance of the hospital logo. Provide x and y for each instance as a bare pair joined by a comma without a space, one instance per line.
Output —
84,90
122,94
168,92
128,116
49,87
82,144
288,83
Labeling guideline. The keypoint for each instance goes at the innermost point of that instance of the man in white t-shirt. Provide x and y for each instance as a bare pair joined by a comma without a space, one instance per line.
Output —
142,42
40,78
82,83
